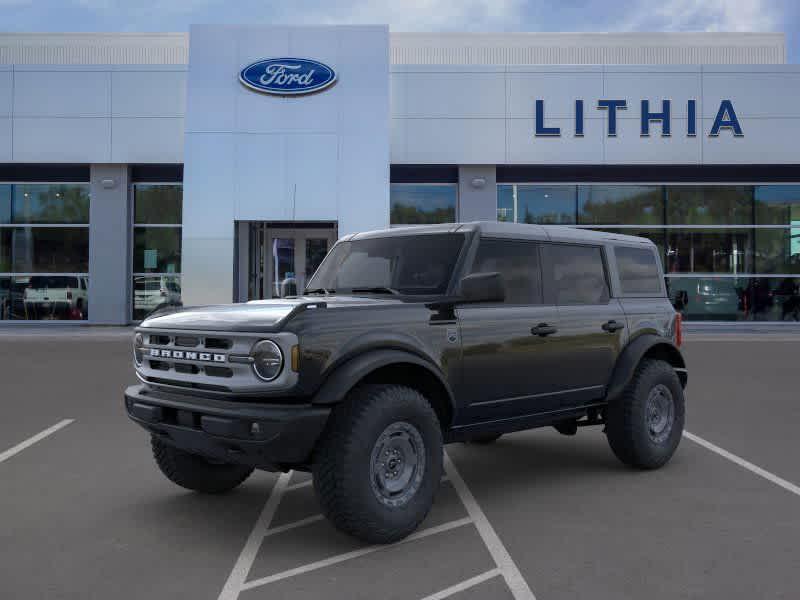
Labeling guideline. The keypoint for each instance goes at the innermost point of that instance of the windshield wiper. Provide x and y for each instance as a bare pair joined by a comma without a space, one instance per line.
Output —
375,290
321,290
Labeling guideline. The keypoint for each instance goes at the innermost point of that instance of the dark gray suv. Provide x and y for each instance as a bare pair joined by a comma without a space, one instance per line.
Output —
407,339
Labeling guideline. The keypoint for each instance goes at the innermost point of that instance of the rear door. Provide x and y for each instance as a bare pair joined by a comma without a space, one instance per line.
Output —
508,369
592,328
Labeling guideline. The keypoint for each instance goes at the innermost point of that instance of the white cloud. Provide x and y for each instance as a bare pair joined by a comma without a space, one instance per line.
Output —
705,15
414,15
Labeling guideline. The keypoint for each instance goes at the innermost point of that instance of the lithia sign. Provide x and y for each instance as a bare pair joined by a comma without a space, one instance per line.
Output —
726,119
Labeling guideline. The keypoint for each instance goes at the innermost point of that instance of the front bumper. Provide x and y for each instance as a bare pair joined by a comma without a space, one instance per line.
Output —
267,436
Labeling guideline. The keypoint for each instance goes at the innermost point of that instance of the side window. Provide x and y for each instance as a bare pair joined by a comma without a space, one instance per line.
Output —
577,273
517,262
638,271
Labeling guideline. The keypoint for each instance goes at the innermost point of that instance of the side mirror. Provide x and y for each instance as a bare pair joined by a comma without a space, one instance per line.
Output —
483,287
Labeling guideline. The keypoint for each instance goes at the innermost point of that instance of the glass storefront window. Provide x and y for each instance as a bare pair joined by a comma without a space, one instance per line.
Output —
536,204
709,299
778,250
154,292
741,236
620,205
736,298
44,204
44,249
709,205
547,205
421,203
157,214
777,205
5,203
157,250
158,204
709,250
44,297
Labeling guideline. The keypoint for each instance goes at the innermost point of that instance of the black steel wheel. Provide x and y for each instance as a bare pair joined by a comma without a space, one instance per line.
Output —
644,425
378,463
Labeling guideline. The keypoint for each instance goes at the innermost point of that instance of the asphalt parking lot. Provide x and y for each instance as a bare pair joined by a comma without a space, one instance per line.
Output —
84,513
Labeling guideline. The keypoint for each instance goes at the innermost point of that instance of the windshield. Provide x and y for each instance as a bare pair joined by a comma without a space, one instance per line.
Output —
404,264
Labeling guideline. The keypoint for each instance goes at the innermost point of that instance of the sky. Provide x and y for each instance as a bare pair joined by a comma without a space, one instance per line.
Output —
413,15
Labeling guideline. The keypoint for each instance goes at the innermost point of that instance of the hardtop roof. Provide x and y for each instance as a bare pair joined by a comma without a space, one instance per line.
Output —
523,231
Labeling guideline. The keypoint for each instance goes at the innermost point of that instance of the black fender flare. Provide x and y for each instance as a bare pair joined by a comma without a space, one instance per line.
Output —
348,374
631,356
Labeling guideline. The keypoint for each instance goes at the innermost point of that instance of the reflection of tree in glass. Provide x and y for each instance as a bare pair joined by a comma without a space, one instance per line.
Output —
709,205
411,215
621,204
42,203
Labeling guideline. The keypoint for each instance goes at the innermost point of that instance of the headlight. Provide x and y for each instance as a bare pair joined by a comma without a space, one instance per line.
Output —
267,360
138,352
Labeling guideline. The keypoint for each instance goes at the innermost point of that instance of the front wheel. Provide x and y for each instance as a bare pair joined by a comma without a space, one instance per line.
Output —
645,424
378,464
196,473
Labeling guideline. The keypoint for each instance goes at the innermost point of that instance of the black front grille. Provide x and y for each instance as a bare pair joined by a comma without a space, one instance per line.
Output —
187,341
159,340
218,371
187,384
218,343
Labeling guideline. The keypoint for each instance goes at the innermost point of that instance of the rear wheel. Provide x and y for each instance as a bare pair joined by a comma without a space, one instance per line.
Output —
195,472
378,464
645,424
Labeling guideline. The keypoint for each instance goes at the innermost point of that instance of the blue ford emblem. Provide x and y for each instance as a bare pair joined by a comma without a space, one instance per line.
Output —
287,76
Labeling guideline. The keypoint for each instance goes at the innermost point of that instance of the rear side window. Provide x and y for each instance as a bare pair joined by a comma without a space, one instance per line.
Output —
638,271
518,263
577,273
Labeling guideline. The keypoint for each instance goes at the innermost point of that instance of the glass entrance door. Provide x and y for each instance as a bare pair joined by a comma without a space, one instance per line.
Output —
283,259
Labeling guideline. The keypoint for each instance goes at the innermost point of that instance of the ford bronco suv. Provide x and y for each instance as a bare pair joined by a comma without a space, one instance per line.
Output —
407,339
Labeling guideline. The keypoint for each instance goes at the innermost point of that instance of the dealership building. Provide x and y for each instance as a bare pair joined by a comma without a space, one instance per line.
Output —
146,170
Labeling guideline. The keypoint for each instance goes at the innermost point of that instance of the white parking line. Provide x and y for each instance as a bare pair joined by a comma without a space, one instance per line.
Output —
516,583
464,585
33,439
771,477
233,586
293,525
354,554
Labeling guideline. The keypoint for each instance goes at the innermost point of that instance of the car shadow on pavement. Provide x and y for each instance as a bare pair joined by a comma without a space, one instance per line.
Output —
538,459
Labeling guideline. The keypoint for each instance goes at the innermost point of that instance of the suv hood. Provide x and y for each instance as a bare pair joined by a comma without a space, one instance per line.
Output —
257,315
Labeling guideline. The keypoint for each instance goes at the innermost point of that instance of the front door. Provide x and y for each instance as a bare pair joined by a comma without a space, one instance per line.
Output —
283,258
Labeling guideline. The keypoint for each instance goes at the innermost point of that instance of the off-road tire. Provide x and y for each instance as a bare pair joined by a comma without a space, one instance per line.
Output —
627,425
342,466
485,440
196,473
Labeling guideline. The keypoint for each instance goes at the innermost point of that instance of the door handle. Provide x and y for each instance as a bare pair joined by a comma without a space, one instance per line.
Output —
543,329
612,326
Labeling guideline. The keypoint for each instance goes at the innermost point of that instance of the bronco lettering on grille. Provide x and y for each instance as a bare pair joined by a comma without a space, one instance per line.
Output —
181,354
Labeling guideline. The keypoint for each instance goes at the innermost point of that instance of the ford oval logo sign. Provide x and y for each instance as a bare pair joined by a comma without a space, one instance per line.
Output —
287,76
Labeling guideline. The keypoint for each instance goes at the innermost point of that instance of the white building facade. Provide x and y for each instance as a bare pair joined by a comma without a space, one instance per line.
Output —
145,170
